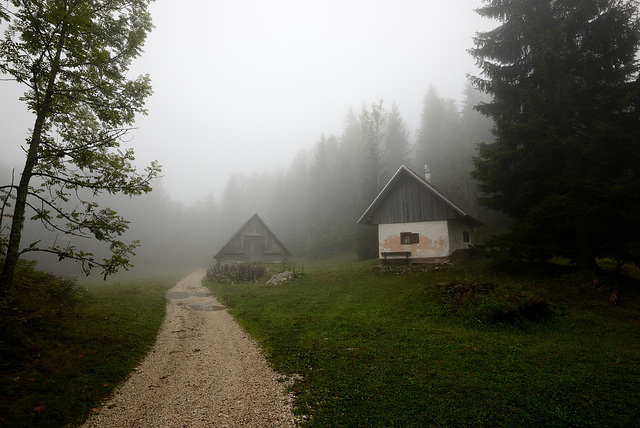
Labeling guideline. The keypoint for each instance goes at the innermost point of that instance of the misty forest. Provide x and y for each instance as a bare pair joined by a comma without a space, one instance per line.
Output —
535,326
314,204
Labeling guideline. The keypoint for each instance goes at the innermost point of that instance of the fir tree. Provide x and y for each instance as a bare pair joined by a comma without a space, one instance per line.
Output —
565,165
397,150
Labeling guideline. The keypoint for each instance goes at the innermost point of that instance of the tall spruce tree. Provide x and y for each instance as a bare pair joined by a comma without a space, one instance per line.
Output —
437,137
374,123
565,165
396,149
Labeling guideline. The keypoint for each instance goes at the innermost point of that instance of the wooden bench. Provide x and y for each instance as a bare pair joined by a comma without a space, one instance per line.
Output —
395,254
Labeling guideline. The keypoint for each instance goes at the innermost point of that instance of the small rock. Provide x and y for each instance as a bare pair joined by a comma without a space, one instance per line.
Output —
280,278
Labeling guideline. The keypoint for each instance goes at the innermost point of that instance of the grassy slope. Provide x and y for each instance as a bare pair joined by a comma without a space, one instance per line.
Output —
60,362
378,349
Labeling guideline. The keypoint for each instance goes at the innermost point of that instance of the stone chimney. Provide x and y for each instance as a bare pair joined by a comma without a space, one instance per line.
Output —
427,173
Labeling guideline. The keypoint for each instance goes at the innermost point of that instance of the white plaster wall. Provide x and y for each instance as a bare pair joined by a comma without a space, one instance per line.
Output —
456,241
434,239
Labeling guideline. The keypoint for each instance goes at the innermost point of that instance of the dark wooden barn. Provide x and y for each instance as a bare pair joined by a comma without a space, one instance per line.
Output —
253,243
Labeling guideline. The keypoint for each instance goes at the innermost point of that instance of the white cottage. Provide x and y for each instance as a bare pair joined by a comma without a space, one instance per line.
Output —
416,222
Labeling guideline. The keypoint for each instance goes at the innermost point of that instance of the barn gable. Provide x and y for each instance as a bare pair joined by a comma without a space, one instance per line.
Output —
253,242
408,197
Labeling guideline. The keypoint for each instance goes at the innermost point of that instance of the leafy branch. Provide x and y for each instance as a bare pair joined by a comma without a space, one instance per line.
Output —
73,57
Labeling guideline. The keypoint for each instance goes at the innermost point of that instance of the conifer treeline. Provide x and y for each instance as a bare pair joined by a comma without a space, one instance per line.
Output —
314,204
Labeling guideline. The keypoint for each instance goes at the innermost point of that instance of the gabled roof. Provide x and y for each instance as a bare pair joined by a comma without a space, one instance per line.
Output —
254,218
408,197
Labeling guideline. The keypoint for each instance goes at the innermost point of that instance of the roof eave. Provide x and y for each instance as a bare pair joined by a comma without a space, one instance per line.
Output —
221,252
365,218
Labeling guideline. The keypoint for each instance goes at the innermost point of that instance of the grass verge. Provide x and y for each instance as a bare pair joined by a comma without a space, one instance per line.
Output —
65,347
395,347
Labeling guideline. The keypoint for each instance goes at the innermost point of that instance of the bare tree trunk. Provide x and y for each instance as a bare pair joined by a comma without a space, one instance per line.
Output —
17,223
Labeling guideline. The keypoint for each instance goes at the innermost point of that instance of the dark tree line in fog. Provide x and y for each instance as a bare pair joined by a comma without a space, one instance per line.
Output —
560,79
313,205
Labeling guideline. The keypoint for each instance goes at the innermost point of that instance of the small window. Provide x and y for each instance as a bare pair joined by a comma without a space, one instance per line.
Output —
465,236
407,238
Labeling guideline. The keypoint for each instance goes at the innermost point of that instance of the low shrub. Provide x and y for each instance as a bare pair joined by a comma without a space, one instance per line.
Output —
236,273
65,346
391,269
40,291
488,302
37,301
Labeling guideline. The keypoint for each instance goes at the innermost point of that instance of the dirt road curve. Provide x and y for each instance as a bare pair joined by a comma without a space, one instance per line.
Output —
203,371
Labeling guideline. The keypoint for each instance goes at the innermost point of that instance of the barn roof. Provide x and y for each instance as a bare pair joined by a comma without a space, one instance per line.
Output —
254,218
409,197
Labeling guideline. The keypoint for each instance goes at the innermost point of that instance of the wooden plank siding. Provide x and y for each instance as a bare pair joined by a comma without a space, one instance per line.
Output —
253,242
410,201
236,245
409,197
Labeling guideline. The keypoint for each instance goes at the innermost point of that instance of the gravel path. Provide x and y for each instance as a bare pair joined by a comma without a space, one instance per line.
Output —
203,371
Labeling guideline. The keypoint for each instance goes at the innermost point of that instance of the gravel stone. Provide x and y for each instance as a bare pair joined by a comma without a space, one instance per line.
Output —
203,371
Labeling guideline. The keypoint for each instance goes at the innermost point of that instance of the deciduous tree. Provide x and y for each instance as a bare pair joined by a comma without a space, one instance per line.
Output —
72,57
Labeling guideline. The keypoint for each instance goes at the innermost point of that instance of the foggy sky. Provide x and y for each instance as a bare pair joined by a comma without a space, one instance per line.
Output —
243,85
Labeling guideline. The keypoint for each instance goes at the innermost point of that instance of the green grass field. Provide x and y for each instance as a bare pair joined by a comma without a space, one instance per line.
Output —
367,346
405,347
65,347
